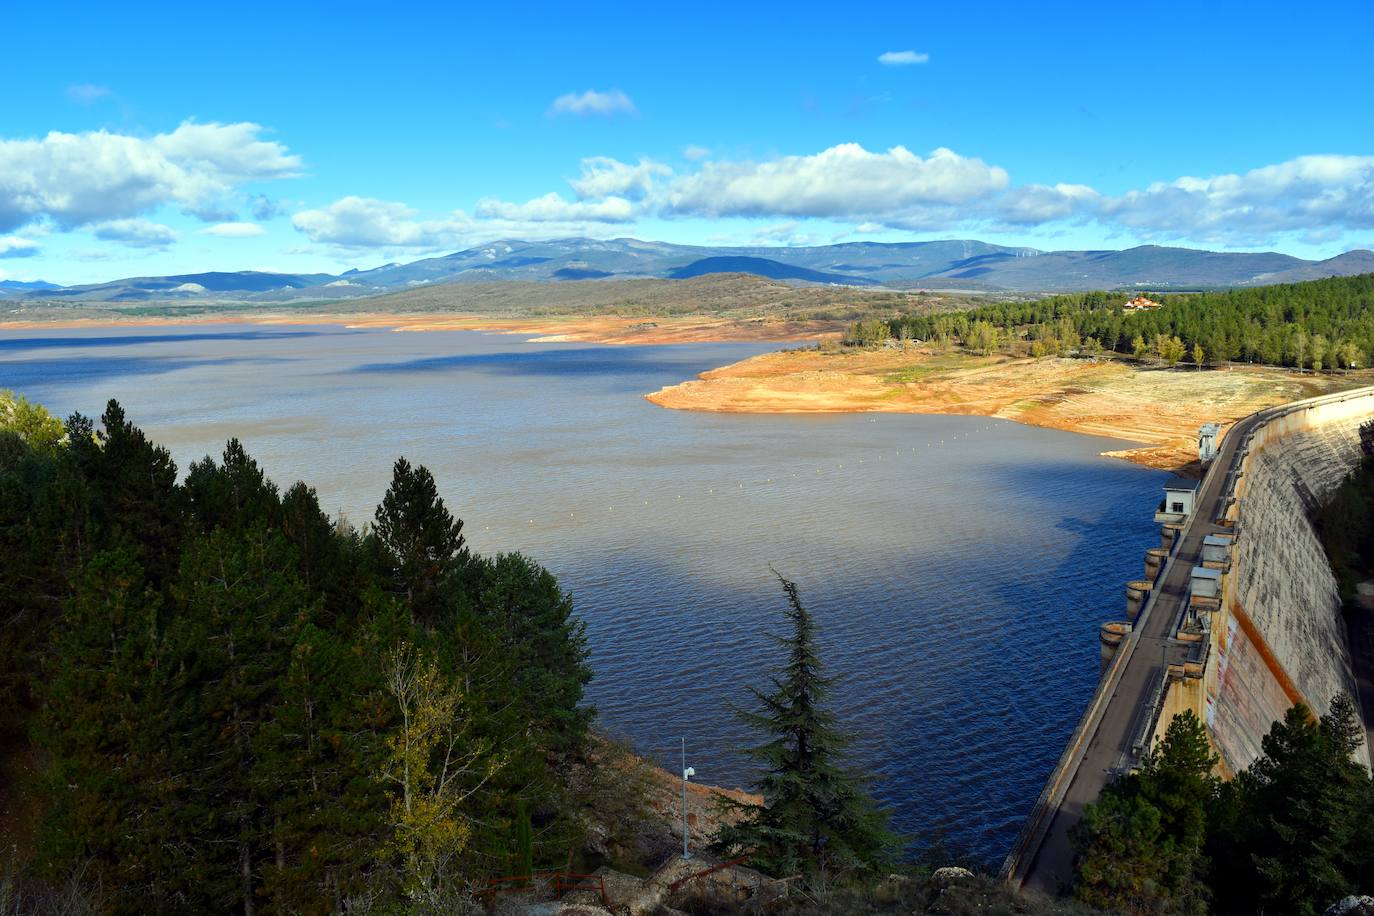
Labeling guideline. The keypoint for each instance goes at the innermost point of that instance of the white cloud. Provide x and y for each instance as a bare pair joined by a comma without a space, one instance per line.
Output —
553,208
789,233
87,93
362,222
366,223
695,153
79,179
136,233
1308,193
902,58
12,246
603,176
263,207
1034,204
1318,198
845,181
591,102
234,230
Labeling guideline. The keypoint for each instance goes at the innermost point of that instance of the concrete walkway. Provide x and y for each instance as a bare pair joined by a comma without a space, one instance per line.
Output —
1051,864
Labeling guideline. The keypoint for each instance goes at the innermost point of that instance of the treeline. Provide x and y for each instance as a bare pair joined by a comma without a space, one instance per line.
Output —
1293,833
1320,324
239,704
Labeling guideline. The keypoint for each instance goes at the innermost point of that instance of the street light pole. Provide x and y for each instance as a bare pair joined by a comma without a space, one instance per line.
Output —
687,773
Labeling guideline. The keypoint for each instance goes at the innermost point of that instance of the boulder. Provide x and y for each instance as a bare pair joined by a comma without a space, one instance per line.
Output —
942,878
1352,906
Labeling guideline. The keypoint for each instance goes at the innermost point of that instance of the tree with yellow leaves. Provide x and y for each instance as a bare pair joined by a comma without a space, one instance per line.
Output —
432,766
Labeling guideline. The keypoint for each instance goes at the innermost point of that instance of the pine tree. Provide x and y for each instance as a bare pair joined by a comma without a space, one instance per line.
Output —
817,818
136,501
1139,848
419,535
1300,839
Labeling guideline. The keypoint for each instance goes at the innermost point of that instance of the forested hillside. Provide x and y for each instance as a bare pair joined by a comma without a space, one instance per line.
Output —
1318,324
236,703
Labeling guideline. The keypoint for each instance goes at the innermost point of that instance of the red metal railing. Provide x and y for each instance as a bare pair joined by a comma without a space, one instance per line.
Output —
672,888
560,882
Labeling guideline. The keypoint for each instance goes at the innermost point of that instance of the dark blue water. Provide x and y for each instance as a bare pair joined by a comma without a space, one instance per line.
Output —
958,566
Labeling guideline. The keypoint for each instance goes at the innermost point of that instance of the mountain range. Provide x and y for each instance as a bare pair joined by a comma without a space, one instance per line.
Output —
948,264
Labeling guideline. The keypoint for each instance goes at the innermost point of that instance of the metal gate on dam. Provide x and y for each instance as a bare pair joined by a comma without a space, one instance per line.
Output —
1237,618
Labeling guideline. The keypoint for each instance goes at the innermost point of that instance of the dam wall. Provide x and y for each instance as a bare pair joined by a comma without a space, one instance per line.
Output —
1236,619
1277,635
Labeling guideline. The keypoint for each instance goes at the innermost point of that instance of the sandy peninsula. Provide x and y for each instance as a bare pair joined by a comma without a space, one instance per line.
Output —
1159,408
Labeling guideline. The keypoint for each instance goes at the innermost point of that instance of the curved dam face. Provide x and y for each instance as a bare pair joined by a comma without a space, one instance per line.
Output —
1278,636
1236,619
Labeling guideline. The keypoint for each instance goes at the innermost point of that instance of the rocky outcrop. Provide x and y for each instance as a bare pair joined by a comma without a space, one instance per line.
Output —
1352,906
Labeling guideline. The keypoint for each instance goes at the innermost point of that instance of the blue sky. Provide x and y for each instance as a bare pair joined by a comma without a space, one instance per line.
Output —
176,138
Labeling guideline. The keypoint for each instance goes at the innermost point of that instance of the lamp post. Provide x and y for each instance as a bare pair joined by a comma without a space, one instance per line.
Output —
687,773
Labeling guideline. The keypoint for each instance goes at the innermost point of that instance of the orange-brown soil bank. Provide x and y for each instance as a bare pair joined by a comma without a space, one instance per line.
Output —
587,329
1159,407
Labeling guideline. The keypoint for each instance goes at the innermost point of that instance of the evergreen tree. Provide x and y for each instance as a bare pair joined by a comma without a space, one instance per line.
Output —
817,818
418,533
1300,838
135,498
1139,848
209,665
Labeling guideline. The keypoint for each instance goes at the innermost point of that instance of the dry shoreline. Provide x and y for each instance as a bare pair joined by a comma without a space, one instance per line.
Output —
1161,408
602,329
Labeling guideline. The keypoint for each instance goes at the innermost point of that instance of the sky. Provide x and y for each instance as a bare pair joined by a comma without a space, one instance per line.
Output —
153,139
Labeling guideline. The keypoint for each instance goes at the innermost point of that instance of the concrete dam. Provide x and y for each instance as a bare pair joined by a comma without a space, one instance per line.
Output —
1236,618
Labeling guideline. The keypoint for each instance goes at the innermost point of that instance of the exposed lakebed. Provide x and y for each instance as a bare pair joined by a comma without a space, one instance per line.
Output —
958,566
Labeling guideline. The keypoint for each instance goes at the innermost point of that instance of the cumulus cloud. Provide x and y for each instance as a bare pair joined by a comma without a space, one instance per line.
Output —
845,181
80,179
1032,204
695,153
1318,198
1308,193
553,208
87,93
12,246
363,222
136,233
234,230
603,176
592,102
263,207
902,58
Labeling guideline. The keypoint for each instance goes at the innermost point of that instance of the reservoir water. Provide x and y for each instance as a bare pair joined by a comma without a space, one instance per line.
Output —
958,567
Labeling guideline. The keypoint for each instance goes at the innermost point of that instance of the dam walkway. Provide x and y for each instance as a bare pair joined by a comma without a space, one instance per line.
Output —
1123,710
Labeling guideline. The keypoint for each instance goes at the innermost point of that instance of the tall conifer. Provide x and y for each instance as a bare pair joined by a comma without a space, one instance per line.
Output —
817,817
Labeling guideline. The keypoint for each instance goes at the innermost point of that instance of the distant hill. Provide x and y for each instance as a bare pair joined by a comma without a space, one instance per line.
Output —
185,286
763,267
965,264
13,287
1342,265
